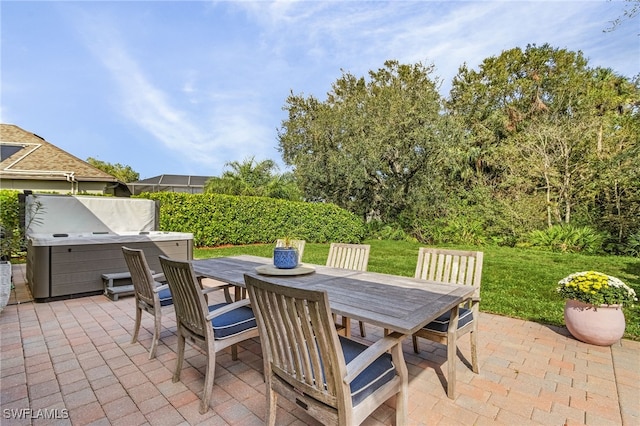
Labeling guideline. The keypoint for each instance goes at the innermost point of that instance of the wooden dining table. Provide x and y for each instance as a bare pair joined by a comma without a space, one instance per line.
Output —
392,302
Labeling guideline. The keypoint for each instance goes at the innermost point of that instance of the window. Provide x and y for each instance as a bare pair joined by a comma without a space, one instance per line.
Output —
7,150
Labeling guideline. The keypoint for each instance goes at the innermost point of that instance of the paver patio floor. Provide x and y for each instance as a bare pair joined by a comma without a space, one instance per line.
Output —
73,358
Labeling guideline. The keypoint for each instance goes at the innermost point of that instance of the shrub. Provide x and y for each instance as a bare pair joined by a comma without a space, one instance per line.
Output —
390,232
217,219
632,247
567,238
10,233
451,230
12,238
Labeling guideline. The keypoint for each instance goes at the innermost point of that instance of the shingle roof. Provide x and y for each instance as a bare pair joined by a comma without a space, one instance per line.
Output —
29,156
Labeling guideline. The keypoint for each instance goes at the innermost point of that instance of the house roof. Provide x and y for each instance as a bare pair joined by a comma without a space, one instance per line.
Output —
25,155
181,183
175,180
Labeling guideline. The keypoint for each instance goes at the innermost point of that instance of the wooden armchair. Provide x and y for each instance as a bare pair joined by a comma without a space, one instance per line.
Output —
211,328
456,267
334,379
349,256
150,294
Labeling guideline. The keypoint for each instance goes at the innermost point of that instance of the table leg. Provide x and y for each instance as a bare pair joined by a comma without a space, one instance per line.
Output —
346,324
451,351
240,293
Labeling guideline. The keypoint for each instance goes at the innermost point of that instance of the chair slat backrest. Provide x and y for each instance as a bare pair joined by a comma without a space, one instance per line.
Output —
450,266
299,340
143,282
190,305
349,256
297,244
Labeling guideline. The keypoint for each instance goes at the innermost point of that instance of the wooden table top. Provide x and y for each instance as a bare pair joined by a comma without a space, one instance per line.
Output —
394,302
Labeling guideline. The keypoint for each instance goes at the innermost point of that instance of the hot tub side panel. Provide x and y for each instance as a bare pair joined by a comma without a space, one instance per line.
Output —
76,270
38,268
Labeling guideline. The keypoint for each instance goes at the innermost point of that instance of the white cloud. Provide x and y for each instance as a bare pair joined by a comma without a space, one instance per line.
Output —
192,85
210,141
359,36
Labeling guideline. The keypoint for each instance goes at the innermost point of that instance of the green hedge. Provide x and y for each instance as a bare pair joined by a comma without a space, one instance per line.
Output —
11,238
216,219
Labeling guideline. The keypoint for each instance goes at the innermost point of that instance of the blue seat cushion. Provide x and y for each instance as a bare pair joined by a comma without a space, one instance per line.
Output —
233,322
441,323
373,377
165,297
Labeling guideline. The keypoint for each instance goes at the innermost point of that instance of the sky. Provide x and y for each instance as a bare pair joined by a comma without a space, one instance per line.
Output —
185,87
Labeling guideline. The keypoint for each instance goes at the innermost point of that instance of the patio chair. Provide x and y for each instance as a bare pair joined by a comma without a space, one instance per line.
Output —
211,328
334,379
456,267
151,295
349,256
297,244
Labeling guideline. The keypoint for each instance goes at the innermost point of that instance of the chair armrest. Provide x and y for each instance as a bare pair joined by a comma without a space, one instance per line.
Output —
373,352
160,287
472,302
207,290
228,308
159,277
222,286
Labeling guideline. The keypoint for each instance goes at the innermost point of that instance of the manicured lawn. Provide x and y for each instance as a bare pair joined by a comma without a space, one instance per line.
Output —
517,283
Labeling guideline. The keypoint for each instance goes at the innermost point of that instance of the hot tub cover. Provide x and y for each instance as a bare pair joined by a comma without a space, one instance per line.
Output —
59,214
58,239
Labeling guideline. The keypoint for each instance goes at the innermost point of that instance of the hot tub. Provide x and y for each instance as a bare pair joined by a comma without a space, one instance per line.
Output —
72,265
72,241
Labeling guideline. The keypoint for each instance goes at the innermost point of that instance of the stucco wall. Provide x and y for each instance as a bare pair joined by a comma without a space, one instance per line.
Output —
60,187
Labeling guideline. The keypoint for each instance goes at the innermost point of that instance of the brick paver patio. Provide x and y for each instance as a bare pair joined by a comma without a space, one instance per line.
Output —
73,359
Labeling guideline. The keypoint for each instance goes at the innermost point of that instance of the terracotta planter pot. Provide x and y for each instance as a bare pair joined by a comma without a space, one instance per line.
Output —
598,325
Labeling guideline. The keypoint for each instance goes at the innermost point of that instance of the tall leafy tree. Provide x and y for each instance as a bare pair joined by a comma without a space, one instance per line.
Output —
123,173
542,120
254,178
617,202
371,145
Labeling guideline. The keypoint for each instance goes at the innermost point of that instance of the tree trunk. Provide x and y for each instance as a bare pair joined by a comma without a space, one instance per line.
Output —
618,209
567,187
548,195
599,147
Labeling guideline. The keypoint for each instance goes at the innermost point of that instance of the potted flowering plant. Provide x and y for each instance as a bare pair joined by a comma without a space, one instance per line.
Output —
596,288
593,309
285,254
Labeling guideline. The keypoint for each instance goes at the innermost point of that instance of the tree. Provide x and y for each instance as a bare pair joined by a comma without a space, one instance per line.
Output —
554,152
123,173
372,144
617,204
252,178
631,12
542,119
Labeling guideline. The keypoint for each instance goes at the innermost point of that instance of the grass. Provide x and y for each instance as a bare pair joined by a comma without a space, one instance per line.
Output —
518,283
